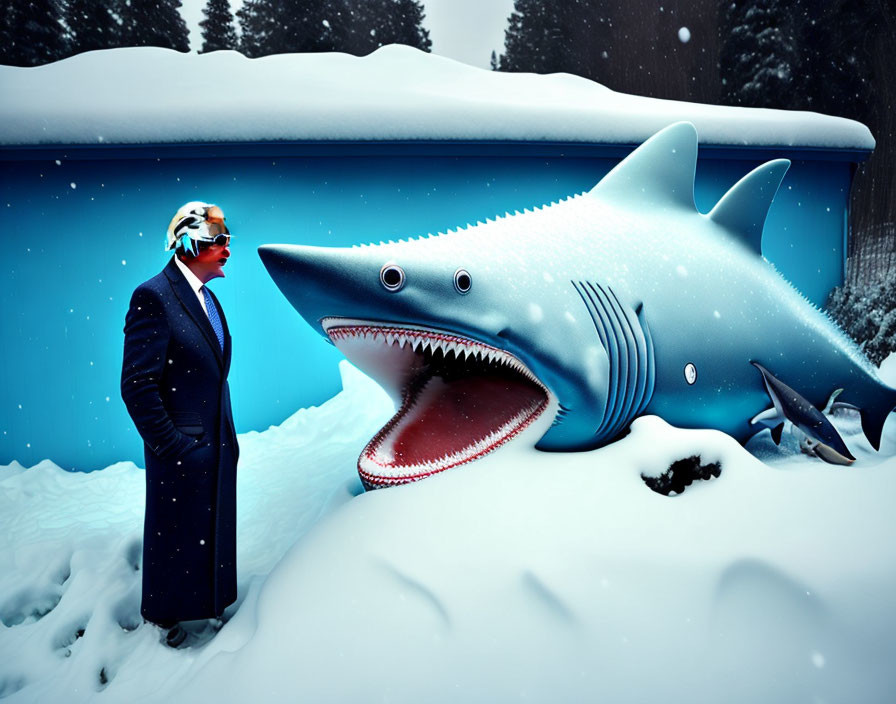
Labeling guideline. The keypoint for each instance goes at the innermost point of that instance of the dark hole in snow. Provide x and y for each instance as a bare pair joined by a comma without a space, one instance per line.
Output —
682,473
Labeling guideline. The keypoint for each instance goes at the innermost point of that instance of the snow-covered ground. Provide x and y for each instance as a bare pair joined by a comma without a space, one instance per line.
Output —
523,576
149,95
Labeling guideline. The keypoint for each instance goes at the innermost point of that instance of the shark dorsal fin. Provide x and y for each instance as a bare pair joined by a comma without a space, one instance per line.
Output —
743,209
659,173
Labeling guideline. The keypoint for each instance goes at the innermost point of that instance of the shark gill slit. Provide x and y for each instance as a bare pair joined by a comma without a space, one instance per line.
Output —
642,361
632,376
609,344
614,331
625,336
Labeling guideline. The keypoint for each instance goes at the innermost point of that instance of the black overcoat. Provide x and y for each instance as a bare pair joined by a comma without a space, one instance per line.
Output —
174,384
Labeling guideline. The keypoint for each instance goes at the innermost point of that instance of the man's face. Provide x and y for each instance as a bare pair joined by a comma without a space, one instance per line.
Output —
209,263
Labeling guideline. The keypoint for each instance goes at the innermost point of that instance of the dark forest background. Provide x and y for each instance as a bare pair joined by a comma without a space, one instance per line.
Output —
829,56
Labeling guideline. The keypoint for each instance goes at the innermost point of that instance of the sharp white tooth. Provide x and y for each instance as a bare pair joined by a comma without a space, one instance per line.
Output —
402,340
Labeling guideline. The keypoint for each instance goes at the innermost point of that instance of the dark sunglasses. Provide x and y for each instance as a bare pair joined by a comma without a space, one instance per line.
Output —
221,233
220,241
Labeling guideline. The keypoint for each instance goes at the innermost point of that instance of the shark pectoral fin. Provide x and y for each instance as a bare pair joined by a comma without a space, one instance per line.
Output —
804,416
873,419
771,419
874,407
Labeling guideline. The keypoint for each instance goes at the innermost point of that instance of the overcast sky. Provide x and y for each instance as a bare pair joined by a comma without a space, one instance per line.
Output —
466,30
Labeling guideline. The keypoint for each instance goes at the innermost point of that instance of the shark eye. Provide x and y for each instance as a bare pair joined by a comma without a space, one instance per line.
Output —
392,277
462,280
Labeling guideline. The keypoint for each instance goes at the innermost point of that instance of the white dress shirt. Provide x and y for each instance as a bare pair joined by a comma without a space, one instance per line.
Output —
194,282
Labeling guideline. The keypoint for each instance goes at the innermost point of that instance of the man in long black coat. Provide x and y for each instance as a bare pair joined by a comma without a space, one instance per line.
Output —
174,384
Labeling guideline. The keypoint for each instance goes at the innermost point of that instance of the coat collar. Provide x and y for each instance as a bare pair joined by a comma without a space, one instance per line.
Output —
188,300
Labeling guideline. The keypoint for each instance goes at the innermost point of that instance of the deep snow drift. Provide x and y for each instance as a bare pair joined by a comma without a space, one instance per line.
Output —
150,95
526,575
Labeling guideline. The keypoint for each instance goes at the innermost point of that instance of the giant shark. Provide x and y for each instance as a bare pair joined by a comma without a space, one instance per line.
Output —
589,312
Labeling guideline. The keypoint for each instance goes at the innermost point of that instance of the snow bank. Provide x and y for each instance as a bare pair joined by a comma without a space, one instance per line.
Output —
527,575
149,95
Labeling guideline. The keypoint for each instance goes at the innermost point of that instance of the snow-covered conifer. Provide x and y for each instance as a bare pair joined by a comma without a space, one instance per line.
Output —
371,24
759,62
218,30
91,24
153,23
30,32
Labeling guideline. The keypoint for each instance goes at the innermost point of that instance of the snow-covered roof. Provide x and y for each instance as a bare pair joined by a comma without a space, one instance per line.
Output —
149,95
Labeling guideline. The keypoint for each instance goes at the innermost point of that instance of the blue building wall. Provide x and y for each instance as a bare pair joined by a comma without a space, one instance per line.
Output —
82,228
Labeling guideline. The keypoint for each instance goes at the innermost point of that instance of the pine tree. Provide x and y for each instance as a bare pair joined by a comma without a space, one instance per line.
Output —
257,27
282,26
30,33
218,31
353,26
759,61
408,16
153,23
91,25
867,313
525,37
836,51
549,36
375,23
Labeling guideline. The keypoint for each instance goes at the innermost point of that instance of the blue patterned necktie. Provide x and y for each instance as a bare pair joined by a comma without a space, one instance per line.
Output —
213,318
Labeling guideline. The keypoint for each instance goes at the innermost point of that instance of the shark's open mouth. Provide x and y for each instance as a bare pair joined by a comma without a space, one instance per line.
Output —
459,399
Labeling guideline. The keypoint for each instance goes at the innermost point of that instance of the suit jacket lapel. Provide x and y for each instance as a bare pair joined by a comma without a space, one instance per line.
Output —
190,302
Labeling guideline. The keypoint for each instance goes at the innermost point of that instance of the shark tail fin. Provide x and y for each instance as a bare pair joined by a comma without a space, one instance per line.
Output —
875,414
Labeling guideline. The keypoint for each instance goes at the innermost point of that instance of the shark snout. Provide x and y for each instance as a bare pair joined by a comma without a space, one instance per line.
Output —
317,281
288,263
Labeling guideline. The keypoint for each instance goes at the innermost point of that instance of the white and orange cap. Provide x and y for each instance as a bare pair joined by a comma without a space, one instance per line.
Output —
195,222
